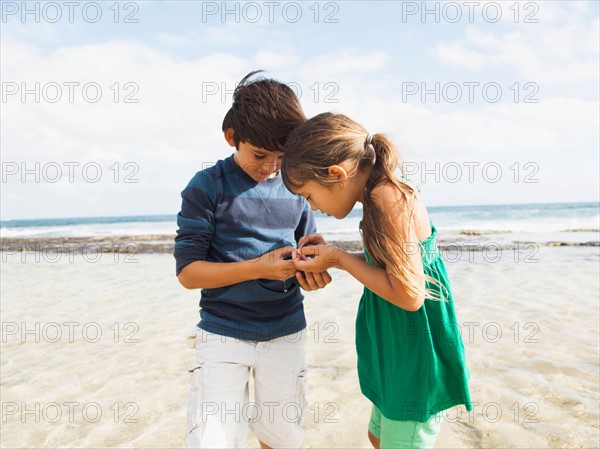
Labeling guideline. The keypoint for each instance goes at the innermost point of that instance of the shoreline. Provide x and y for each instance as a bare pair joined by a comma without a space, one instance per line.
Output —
163,244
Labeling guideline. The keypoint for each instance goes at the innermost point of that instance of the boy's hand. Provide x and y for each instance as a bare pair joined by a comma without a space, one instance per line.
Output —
279,265
272,265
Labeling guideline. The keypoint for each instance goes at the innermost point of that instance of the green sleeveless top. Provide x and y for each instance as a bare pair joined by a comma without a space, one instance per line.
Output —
411,365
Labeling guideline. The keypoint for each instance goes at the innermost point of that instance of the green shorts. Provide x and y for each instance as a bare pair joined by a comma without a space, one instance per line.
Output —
404,434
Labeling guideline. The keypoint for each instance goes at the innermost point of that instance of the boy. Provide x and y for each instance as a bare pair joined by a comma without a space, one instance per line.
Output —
237,227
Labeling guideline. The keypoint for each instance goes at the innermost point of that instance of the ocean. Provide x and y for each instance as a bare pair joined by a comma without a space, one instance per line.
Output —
558,221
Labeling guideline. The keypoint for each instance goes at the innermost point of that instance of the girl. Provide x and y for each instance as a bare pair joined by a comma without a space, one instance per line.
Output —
411,360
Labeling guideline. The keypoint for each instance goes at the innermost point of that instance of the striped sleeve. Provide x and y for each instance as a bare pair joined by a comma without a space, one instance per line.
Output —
195,221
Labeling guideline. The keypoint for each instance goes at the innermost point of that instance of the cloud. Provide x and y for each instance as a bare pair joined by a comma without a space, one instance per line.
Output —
348,60
169,133
456,53
170,128
173,129
559,50
527,141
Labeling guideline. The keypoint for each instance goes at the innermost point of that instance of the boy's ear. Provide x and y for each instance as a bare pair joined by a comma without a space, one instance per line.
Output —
338,172
228,133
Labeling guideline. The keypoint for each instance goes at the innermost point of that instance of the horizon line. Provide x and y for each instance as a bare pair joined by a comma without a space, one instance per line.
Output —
356,208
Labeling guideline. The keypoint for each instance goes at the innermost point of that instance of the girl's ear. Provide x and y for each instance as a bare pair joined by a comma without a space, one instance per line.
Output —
228,133
338,172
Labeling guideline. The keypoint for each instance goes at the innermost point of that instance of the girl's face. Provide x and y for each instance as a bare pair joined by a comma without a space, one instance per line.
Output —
334,200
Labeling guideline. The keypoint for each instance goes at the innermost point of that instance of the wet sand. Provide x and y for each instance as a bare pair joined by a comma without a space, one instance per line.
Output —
94,353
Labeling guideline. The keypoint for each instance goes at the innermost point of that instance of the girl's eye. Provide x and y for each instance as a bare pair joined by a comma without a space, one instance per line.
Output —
308,198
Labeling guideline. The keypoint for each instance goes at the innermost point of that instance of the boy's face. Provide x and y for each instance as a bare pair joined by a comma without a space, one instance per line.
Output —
258,163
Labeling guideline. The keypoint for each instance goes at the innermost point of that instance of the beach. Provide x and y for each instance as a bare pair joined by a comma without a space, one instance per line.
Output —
94,349
125,124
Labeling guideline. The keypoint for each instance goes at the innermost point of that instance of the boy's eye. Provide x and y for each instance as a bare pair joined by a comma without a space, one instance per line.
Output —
259,157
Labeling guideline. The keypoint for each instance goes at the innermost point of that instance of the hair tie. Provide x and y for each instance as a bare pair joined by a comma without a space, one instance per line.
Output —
369,143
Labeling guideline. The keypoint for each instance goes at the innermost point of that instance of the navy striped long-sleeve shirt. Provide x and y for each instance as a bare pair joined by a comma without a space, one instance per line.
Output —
226,216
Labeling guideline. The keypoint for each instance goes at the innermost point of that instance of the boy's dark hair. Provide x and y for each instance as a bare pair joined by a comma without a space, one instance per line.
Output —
264,113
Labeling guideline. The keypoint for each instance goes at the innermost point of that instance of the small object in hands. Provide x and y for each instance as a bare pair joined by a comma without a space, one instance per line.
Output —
286,257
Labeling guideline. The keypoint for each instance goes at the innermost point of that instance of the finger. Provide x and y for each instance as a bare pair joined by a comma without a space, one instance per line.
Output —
311,281
297,257
316,239
309,250
325,278
287,273
302,241
318,279
306,266
285,269
286,250
302,281
312,239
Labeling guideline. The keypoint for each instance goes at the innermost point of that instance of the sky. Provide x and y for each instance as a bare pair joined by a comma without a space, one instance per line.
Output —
109,108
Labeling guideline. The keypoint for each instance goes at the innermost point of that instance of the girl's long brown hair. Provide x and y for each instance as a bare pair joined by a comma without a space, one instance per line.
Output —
329,139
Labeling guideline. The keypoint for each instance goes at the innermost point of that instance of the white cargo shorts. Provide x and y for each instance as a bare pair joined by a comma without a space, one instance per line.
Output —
219,407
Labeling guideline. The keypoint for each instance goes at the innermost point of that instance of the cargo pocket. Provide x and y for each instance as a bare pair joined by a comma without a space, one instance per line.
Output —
191,340
301,393
195,396
194,400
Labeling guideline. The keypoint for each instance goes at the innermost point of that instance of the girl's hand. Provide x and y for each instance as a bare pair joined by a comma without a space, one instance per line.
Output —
312,281
313,239
273,266
321,257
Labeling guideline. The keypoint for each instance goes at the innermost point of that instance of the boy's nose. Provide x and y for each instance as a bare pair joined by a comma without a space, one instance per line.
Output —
270,165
